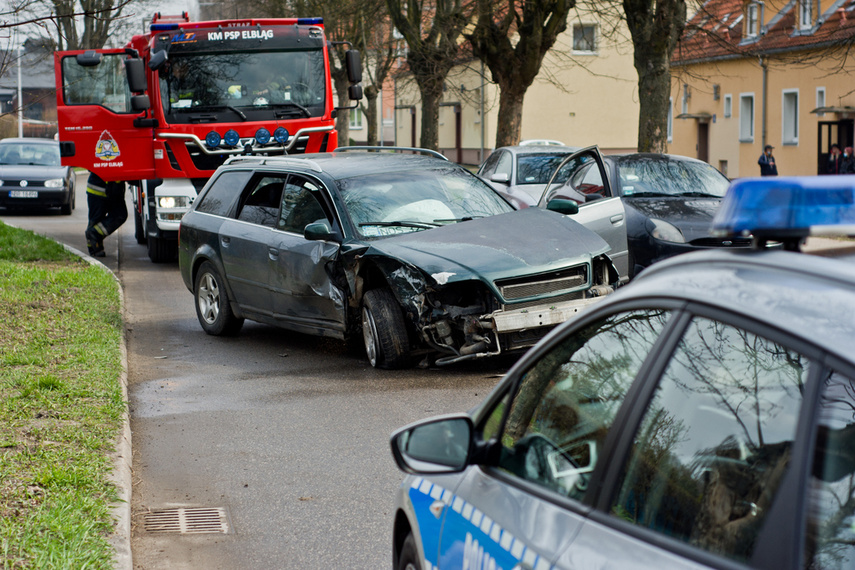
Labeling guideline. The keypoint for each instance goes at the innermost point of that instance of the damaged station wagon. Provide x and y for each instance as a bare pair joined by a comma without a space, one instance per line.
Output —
407,252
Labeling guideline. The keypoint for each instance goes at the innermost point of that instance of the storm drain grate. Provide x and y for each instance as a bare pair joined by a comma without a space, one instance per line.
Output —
188,521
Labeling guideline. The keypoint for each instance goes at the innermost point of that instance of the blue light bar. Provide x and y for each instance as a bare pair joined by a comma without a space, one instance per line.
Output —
262,136
787,207
231,138
309,21
163,27
213,139
281,135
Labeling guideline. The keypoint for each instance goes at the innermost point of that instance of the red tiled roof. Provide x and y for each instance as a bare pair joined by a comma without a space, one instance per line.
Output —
716,31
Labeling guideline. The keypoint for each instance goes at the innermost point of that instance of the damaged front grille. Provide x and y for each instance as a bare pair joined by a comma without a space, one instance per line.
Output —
573,281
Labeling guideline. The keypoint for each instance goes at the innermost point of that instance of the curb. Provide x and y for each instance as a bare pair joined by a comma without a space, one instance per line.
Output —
122,456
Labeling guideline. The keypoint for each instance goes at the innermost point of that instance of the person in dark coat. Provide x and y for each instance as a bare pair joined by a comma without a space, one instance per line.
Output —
107,211
767,162
848,166
835,161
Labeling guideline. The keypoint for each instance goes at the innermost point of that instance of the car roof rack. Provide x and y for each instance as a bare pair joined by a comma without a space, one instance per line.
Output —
412,149
274,161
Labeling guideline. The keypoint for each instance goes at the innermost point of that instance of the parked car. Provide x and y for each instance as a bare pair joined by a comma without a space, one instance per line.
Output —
541,142
520,173
647,206
411,253
31,175
701,417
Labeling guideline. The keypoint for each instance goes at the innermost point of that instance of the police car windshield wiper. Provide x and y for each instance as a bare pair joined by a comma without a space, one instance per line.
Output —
198,108
402,224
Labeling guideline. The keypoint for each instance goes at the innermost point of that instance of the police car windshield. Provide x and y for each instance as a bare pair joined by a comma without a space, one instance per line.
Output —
245,80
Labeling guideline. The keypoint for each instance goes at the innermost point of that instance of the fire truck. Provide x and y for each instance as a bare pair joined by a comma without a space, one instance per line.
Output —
163,112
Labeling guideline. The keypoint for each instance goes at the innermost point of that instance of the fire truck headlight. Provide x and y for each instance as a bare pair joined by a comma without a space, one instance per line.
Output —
232,138
262,136
281,135
173,201
213,139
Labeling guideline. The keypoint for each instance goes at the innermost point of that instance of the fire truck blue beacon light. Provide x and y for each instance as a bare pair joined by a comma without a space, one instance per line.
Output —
262,136
232,138
787,207
281,135
213,139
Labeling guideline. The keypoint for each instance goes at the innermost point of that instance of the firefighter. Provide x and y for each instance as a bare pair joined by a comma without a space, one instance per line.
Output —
107,211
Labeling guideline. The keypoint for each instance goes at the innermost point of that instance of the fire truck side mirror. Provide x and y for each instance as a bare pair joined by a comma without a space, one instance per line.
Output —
354,92
353,65
89,58
135,71
140,103
157,60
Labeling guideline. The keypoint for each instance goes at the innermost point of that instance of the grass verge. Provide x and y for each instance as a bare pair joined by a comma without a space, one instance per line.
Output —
60,405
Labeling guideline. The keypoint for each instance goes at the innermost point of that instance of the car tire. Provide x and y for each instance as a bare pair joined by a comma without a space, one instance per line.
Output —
139,231
212,303
161,250
66,209
409,558
384,332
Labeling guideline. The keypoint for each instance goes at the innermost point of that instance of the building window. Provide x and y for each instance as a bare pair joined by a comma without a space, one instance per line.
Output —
805,14
356,118
584,38
790,117
820,100
746,117
728,106
671,119
752,20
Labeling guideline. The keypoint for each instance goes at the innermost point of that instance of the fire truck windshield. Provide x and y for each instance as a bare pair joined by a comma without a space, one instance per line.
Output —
252,85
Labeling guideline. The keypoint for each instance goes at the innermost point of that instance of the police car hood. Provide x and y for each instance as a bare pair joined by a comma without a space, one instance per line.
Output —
518,243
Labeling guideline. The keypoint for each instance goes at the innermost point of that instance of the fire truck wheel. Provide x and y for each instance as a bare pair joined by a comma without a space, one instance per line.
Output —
139,231
212,303
162,250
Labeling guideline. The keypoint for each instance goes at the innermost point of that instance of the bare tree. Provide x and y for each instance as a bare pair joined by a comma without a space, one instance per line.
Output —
512,39
433,31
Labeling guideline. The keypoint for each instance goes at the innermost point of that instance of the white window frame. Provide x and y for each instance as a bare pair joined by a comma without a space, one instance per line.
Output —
790,117
820,100
728,105
752,20
356,119
670,119
746,124
684,104
805,14
595,40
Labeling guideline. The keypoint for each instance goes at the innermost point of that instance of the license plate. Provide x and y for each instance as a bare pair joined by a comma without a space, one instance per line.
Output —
23,193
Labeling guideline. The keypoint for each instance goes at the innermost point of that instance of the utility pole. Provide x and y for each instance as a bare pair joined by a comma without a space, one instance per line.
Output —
20,91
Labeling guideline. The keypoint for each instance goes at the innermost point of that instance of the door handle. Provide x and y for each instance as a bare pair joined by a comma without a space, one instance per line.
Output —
616,219
273,252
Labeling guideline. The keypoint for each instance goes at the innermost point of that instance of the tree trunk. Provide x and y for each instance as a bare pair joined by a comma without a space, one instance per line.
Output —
342,118
654,90
509,122
431,92
371,94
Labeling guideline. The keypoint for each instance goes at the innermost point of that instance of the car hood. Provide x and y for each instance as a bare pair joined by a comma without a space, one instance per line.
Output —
692,216
518,243
31,172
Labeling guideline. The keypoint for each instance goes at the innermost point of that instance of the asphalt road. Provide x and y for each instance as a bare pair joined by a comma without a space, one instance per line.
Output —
286,433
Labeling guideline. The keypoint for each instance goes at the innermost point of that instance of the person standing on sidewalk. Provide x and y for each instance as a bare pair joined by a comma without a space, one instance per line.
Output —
767,162
107,212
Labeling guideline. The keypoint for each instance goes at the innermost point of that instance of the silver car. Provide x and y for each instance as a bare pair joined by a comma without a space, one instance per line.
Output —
701,417
520,173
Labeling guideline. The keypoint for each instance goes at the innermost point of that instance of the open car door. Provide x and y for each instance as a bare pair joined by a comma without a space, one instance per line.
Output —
600,208
103,113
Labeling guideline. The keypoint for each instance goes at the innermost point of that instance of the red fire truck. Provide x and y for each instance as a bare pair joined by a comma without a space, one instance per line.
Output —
166,110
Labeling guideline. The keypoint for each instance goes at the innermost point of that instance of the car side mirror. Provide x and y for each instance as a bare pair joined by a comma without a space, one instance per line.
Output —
353,66
135,72
157,59
319,231
503,178
566,207
435,446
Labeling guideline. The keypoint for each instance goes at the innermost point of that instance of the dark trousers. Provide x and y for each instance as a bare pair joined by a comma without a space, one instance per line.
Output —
107,213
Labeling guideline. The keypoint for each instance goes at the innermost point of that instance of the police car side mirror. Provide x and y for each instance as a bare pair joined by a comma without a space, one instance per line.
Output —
434,447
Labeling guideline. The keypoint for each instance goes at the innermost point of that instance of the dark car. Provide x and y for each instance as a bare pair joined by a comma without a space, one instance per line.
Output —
520,173
31,175
701,417
647,206
411,253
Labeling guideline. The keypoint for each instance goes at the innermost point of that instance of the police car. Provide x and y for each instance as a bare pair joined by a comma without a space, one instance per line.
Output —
701,417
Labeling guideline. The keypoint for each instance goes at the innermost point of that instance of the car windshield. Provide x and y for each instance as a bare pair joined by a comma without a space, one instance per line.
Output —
33,154
392,203
274,80
657,176
537,168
